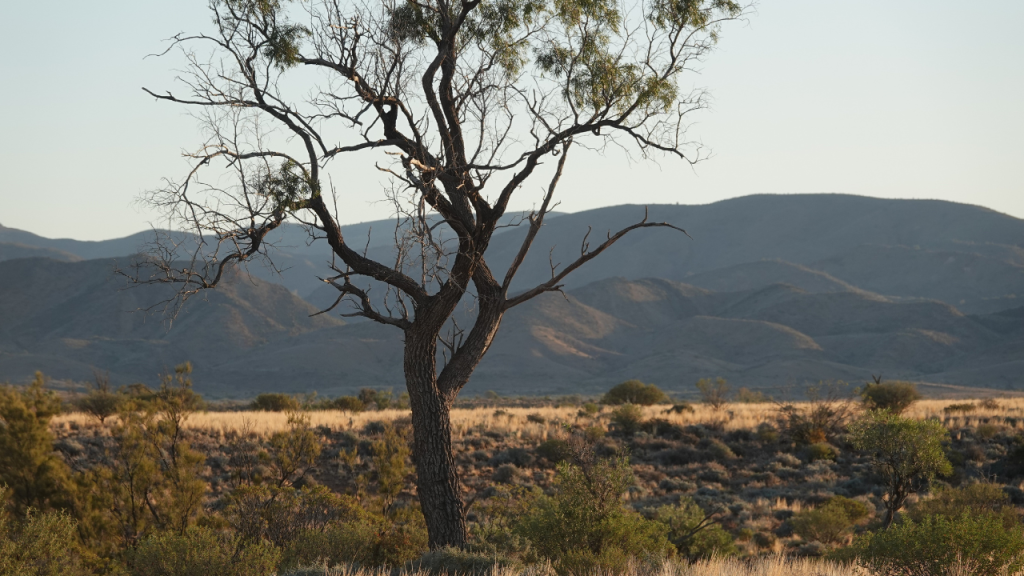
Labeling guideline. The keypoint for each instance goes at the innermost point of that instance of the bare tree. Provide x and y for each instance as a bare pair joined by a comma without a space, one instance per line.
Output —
463,101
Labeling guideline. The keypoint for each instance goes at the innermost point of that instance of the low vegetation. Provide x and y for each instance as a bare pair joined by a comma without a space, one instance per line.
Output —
825,486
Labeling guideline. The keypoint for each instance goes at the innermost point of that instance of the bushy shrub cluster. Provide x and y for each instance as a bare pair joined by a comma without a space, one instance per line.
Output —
893,396
635,392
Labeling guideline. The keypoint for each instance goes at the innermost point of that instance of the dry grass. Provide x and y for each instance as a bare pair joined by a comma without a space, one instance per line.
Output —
516,421
766,566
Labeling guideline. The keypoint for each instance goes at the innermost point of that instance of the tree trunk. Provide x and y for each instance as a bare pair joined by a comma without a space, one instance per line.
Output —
437,478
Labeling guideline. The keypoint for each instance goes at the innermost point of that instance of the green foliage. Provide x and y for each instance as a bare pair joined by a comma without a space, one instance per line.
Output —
823,418
585,525
980,545
831,522
591,409
150,479
907,453
634,392
36,475
275,402
554,450
201,552
100,403
295,450
747,396
693,532
821,451
347,404
975,499
714,393
893,396
628,418
39,545
463,562
961,407
390,453
379,399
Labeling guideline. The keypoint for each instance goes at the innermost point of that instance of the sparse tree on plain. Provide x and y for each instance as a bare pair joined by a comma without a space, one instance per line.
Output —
460,105
907,452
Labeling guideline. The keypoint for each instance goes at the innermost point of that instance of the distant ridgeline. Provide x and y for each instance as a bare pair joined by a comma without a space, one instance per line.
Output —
771,291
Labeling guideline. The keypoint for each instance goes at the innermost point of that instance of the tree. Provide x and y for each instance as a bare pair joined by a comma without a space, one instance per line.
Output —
635,392
101,402
459,105
714,393
893,396
35,474
907,453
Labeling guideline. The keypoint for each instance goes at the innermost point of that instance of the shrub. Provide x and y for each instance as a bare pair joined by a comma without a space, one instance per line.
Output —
348,404
767,433
907,453
893,396
748,396
554,450
628,418
591,409
463,562
980,545
831,522
825,416
976,498
990,404
201,552
635,392
821,451
41,545
536,418
988,431
693,532
36,475
275,402
585,526
680,408
714,393
963,408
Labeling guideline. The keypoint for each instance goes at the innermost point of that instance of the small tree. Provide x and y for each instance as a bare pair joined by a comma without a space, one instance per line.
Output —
907,453
36,475
100,403
893,396
635,392
714,393
275,402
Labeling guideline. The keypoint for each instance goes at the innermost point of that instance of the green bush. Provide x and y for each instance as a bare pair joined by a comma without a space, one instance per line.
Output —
635,392
201,552
348,404
980,545
585,526
831,522
962,407
35,474
907,453
694,532
821,451
554,450
628,418
894,396
975,499
463,562
275,402
40,545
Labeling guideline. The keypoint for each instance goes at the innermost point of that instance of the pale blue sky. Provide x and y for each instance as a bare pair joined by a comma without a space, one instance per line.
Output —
907,99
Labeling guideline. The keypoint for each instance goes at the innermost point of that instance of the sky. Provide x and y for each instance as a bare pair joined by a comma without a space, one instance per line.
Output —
908,99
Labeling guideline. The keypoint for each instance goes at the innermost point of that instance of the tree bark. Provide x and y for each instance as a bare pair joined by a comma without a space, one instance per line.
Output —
437,477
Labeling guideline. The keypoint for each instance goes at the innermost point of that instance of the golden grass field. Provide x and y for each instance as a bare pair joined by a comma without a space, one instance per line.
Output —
733,416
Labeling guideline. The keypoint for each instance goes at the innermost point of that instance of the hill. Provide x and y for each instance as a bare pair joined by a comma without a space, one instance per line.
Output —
769,291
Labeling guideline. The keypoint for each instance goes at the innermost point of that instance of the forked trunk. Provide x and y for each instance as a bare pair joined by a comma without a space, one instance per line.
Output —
437,477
